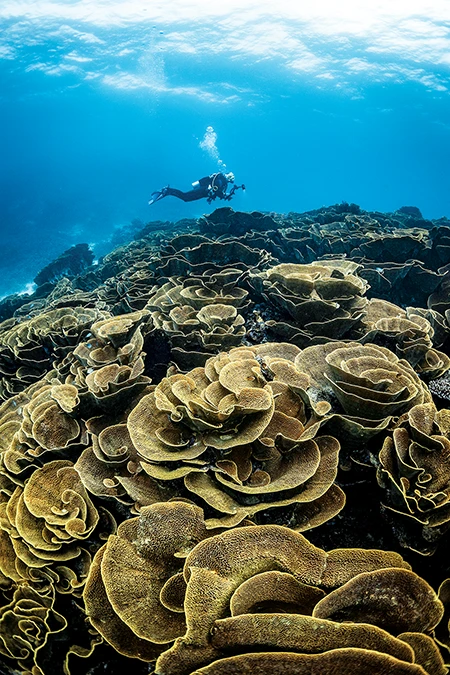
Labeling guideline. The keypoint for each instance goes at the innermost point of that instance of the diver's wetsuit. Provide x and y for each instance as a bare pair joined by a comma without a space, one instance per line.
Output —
190,196
210,186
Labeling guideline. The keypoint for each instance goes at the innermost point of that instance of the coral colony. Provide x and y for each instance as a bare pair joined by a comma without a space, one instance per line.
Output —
228,451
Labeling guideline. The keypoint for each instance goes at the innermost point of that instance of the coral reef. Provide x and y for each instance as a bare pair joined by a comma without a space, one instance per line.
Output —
415,472
410,333
256,589
31,347
46,522
369,382
320,300
242,439
200,314
225,448
69,264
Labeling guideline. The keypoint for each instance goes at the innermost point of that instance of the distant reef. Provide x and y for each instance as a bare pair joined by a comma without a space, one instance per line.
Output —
225,449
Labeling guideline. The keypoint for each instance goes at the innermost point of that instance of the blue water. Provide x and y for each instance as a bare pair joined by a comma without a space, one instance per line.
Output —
103,103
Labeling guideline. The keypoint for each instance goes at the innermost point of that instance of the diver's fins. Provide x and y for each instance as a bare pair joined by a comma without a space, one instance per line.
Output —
156,196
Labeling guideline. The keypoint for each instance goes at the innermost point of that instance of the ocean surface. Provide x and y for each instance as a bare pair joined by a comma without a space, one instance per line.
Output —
101,103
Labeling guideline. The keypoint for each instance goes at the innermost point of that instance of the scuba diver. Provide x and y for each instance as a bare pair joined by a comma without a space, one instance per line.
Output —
211,187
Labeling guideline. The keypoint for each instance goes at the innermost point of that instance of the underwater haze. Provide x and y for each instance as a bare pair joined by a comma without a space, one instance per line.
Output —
101,103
